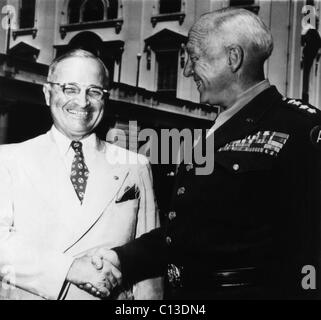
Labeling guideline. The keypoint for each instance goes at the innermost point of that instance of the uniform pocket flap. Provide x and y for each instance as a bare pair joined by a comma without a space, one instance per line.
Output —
239,162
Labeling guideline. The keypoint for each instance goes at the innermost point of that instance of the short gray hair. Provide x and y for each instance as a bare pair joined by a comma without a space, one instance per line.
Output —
248,29
78,53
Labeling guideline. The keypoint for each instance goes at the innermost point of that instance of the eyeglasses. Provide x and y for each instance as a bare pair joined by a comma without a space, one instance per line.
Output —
72,90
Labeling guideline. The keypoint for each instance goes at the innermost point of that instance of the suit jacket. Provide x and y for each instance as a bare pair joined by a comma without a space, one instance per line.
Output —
259,208
43,227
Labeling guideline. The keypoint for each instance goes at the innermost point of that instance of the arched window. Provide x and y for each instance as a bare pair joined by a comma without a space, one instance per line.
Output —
112,12
169,6
74,11
27,14
93,10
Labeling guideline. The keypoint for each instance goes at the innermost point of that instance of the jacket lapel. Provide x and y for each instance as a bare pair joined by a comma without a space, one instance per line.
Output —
105,179
49,176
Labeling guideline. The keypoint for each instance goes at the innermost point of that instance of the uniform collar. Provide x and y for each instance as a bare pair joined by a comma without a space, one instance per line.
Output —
246,120
63,143
242,100
245,97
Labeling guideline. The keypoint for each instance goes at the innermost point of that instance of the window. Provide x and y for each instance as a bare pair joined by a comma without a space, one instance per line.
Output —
167,72
74,11
310,2
27,14
169,10
169,6
112,9
242,3
246,4
92,10
168,47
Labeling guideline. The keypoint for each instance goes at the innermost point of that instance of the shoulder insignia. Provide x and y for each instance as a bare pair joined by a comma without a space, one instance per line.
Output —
299,105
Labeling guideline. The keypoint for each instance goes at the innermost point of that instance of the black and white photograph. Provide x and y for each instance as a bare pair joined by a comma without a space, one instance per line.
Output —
163,150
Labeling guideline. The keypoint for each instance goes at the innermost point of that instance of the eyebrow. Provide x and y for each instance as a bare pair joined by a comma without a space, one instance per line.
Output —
89,86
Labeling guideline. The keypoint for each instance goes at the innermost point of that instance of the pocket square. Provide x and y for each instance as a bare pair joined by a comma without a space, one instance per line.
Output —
130,193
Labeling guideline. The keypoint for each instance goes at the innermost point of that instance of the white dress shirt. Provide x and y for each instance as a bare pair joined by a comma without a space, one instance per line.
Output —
89,147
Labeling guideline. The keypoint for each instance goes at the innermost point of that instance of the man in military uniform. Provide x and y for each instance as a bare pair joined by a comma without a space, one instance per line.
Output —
247,229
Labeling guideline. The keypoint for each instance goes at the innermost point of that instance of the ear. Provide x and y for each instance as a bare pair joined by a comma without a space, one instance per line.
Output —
46,92
235,57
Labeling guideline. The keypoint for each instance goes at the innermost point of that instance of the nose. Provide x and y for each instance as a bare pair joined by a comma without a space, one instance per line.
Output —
82,99
188,70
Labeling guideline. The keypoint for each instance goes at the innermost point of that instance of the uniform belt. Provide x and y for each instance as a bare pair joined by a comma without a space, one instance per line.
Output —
182,276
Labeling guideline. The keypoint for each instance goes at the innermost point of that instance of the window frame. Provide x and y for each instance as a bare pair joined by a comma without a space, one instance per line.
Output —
66,26
69,10
20,14
23,31
82,11
158,52
254,7
165,17
159,7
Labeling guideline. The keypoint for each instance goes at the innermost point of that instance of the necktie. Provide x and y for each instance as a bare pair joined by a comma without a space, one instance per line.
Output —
79,171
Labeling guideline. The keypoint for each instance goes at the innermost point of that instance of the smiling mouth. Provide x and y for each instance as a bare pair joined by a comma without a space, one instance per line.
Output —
78,114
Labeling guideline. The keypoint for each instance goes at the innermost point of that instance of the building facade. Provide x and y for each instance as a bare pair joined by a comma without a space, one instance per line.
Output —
142,42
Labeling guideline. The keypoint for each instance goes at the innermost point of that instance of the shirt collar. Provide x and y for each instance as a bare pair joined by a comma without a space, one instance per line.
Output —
63,142
242,100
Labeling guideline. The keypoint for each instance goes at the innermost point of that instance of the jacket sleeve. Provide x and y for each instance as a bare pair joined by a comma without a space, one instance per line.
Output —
148,219
22,264
143,259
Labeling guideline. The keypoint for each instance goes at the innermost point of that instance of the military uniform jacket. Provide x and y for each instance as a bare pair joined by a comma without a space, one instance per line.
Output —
260,206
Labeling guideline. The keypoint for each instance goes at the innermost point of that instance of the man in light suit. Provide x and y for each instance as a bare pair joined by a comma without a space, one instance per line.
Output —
65,193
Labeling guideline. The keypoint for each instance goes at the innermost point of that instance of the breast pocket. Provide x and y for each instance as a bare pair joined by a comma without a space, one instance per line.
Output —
127,205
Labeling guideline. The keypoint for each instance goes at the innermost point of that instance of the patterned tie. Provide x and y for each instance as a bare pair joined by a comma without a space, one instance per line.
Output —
79,171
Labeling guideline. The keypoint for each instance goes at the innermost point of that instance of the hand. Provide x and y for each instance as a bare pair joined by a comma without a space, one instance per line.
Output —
98,282
100,255
108,260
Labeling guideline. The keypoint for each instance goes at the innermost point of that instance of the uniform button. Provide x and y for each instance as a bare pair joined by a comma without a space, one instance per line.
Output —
168,240
171,215
236,167
189,167
171,174
180,191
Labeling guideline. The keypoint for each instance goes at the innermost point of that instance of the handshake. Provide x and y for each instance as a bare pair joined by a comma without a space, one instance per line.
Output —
97,272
